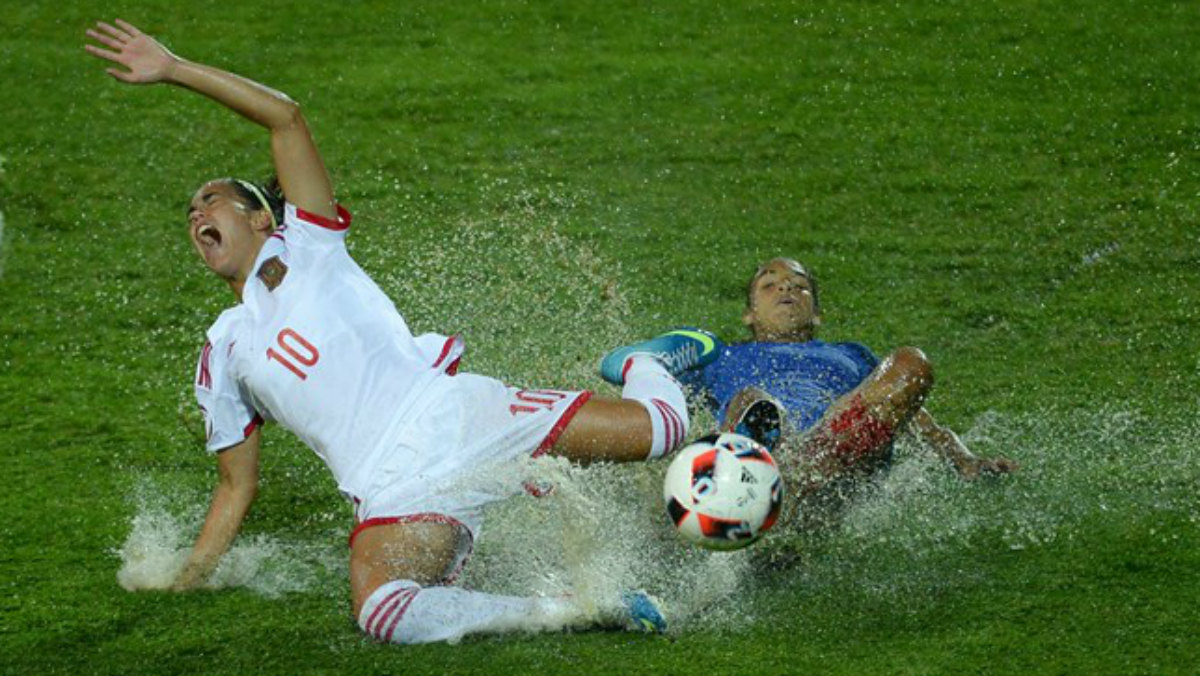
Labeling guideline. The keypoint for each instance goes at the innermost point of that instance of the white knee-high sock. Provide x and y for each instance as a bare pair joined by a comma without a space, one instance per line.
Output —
650,384
403,611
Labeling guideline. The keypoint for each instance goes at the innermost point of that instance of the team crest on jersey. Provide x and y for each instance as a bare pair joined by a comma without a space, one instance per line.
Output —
272,272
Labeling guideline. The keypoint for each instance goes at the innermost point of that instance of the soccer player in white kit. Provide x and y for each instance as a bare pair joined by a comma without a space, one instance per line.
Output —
316,346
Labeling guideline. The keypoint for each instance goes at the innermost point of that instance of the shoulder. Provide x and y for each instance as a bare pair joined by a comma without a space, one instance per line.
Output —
858,352
753,348
225,324
296,219
753,354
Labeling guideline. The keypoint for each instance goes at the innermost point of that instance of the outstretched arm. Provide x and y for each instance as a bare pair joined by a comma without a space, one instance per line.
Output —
236,488
301,171
947,444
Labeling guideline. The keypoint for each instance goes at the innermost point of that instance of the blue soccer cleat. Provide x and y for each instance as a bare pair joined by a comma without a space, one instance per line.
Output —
678,350
644,612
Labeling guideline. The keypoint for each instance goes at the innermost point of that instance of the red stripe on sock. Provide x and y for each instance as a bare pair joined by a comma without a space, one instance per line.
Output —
680,428
403,608
392,612
679,431
672,423
625,367
371,620
668,428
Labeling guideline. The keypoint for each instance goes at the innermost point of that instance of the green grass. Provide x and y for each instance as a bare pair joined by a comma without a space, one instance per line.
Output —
1011,186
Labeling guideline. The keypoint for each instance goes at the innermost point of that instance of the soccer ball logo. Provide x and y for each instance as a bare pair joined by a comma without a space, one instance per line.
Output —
723,491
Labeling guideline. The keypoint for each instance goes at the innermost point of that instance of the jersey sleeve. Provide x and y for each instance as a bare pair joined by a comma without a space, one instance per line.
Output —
228,417
862,356
314,230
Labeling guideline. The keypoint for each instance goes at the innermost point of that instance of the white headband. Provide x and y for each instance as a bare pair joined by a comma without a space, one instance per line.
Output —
262,199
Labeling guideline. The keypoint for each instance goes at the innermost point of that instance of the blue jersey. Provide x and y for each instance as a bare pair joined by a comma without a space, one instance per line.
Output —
805,377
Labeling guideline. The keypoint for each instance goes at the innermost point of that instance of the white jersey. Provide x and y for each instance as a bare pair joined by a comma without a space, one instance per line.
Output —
317,346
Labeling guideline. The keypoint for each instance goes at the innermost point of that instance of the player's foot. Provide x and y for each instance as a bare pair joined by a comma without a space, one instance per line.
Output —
644,612
761,419
678,350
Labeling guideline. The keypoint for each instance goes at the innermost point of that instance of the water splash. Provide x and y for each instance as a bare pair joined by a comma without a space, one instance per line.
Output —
602,531
906,535
162,531
901,537
539,308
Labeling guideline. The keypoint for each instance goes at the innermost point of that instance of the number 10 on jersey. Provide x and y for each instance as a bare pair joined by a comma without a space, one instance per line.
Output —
300,354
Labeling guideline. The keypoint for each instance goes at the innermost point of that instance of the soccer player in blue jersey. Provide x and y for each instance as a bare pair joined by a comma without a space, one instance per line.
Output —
833,409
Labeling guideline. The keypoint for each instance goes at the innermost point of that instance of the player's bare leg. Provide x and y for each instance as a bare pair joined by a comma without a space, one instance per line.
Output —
616,430
651,417
856,433
398,581
422,552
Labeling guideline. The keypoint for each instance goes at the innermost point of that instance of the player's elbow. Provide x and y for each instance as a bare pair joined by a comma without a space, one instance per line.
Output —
287,115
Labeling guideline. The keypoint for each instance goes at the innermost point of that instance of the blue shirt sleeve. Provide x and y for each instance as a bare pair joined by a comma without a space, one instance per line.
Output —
862,356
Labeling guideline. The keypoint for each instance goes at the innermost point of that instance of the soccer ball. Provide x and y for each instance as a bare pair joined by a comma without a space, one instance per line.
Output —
723,491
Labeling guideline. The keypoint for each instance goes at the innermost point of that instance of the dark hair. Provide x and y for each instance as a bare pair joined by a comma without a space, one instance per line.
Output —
271,192
793,263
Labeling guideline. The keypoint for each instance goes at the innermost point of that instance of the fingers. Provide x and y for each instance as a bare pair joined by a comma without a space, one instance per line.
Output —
122,75
103,53
104,39
114,31
128,27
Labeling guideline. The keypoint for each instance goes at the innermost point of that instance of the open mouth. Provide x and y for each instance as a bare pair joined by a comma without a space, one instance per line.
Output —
208,236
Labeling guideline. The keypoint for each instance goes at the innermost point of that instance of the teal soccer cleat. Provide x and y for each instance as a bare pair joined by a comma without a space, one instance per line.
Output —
762,421
678,350
644,612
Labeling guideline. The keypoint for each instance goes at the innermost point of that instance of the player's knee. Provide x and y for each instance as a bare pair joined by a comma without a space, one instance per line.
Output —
912,366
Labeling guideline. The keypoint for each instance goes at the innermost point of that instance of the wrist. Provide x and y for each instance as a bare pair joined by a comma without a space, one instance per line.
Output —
171,72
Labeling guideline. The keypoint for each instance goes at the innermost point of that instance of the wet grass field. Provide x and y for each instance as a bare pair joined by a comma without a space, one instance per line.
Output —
1011,186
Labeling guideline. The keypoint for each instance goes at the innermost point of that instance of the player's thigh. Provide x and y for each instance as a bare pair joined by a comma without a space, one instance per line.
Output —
424,552
895,390
617,430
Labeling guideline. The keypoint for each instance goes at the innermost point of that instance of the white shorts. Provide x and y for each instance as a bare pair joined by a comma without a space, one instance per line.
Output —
464,451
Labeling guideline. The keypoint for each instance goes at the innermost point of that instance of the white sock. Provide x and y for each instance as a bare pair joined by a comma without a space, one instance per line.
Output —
403,611
650,384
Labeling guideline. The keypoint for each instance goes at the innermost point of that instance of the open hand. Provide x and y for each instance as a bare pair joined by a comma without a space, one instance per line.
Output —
147,61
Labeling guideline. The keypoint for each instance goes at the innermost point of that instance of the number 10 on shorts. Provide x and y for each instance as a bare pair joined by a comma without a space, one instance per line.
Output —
302,353
535,400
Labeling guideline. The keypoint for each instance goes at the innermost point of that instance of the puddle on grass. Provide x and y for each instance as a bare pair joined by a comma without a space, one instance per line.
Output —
538,309
602,529
907,537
